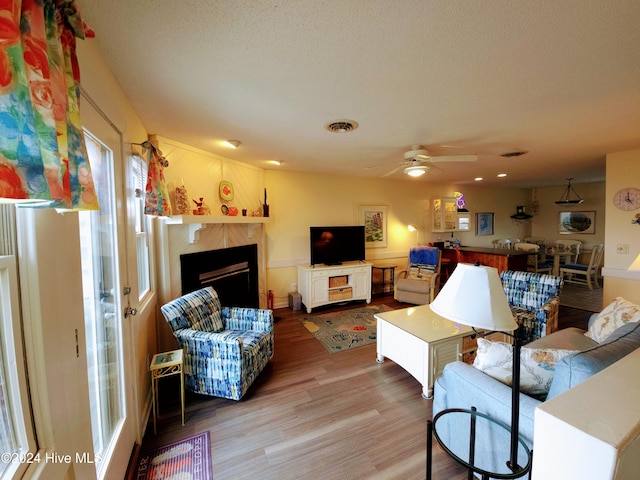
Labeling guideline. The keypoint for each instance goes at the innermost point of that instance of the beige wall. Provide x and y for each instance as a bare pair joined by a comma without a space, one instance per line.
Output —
545,224
623,170
300,200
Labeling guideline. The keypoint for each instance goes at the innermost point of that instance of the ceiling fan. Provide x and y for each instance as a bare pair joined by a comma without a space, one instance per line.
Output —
417,161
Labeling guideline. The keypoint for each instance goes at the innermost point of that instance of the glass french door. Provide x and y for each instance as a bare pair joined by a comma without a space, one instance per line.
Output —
98,242
107,336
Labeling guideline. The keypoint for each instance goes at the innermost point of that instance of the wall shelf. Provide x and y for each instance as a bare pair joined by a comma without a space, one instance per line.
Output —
199,222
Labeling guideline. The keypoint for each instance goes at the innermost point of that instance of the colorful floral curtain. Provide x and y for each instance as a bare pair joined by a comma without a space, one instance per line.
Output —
43,156
156,199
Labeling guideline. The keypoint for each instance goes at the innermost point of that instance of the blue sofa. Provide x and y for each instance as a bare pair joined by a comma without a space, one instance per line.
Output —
224,348
463,386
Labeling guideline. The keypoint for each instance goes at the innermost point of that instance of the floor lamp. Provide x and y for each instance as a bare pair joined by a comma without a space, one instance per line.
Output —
474,296
414,228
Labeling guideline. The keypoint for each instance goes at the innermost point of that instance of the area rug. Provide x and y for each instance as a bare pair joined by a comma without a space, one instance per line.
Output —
189,458
346,329
579,296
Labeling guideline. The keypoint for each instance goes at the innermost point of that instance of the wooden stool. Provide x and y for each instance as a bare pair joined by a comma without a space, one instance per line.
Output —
445,264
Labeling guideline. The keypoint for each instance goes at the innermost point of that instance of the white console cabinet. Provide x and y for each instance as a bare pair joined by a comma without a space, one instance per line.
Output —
324,284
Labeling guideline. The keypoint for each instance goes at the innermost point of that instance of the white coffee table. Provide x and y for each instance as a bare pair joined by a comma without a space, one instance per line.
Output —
422,342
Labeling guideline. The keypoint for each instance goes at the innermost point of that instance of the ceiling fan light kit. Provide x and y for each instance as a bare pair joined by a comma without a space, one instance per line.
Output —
565,198
417,161
416,170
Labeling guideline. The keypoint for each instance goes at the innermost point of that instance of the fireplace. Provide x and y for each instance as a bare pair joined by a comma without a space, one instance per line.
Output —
232,272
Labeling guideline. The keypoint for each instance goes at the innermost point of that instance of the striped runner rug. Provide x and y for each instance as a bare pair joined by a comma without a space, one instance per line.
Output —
579,296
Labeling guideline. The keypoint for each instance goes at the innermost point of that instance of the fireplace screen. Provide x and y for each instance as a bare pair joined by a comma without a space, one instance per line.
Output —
232,272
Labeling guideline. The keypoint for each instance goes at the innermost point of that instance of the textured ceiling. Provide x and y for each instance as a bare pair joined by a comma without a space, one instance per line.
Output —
557,78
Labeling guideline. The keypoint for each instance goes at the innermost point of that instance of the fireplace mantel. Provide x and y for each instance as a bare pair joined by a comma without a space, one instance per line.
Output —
199,222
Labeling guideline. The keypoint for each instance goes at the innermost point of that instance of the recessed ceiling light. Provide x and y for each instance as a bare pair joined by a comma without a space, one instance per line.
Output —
502,175
478,179
231,143
274,162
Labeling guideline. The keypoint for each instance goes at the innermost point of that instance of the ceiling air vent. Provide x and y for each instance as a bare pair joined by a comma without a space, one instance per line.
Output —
517,153
341,126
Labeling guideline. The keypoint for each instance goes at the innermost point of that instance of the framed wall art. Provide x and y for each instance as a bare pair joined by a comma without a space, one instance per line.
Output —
484,223
577,222
374,219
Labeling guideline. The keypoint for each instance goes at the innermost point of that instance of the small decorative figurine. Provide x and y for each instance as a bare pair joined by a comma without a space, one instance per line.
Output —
182,202
202,208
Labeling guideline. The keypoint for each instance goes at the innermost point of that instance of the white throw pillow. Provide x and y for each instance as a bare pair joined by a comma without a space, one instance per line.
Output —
536,364
616,314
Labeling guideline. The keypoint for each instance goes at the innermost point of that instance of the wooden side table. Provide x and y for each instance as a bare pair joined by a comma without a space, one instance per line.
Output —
164,365
383,269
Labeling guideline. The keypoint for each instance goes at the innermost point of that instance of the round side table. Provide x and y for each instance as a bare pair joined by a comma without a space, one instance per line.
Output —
477,457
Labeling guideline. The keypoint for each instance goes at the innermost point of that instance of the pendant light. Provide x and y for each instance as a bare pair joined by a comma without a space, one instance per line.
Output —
566,199
521,217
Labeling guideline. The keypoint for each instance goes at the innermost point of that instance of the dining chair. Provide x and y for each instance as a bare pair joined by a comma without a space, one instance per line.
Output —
572,247
588,271
502,243
537,240
535,262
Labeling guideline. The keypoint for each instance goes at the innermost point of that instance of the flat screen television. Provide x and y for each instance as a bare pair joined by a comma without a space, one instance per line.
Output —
334,245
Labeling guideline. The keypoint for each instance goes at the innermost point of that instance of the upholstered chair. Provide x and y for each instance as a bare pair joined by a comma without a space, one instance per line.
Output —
419,283
224,348
534,299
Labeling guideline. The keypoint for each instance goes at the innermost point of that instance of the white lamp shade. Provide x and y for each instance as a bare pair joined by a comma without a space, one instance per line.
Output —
474,296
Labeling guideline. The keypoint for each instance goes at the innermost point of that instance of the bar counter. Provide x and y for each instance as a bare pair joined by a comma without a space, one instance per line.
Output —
500,258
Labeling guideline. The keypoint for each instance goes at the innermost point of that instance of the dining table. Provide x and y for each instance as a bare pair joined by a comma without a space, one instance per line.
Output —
556,253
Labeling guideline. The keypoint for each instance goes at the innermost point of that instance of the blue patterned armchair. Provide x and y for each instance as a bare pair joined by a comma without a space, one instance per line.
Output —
534,299
224,348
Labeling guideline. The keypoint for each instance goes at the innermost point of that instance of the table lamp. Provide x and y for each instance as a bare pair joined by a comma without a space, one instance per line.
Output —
474,296
635,266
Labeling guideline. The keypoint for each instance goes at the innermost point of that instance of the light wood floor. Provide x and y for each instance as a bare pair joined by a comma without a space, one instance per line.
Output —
313,414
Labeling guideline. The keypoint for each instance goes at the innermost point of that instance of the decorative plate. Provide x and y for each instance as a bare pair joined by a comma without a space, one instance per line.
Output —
224,209
226,190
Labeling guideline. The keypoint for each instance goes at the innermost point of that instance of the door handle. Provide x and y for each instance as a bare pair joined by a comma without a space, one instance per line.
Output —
130,312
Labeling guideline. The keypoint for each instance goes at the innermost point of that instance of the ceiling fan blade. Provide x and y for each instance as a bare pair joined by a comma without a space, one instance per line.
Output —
394,170
453,158
384,165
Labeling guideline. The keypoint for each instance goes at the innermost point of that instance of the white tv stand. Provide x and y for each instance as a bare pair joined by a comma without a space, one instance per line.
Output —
326,284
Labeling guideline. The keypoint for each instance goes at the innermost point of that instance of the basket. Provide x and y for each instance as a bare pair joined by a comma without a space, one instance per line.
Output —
338,281
340,294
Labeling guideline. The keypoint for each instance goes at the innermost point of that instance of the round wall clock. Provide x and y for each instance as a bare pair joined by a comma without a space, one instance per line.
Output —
627,199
